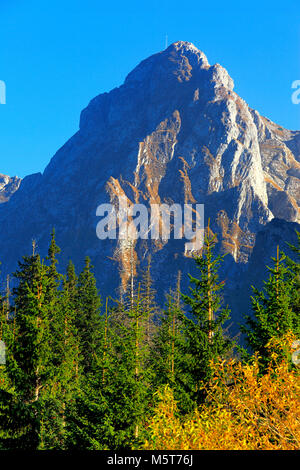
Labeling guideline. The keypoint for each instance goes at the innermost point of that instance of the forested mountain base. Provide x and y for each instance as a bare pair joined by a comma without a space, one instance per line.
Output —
80,373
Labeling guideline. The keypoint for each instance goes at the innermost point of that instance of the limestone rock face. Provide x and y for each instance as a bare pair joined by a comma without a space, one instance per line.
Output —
174,132
280,155
8,186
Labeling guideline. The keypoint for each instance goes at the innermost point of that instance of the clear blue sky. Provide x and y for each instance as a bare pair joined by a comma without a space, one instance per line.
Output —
57,55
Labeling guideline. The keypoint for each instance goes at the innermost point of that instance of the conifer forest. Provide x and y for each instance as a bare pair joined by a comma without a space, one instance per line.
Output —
79,371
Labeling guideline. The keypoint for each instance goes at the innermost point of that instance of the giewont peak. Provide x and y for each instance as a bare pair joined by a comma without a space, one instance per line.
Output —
185,48
180,59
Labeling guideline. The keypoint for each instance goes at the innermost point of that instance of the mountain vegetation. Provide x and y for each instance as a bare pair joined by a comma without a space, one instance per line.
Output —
83,372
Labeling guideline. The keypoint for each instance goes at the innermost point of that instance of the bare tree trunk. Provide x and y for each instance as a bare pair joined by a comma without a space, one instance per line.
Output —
131,275
210,312
105,342
7,296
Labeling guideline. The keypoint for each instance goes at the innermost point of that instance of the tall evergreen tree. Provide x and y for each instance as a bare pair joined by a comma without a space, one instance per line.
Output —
6,391
87,322
92,417
294,266
68,379
123,392
272,311
147,298
29,366
42,365
53,300
204,336
53,251
168,342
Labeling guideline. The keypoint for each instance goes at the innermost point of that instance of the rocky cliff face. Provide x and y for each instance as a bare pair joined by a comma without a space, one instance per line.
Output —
174,132
8,186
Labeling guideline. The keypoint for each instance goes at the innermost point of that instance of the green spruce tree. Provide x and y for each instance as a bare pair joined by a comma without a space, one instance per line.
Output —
273,314
204,336
87,322
29,360
166,352
294,267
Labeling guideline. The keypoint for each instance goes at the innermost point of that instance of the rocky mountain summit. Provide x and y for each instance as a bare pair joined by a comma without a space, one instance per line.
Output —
174,132
8,186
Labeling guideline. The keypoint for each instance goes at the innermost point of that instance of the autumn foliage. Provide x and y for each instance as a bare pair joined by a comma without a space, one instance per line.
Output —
244,410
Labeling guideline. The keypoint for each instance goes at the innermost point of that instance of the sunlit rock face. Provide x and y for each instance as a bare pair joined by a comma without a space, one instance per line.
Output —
174,132
8,186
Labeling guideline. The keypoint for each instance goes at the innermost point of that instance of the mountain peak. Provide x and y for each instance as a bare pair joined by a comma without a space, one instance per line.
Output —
8,185
190,51
180,59
175,132
184,46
